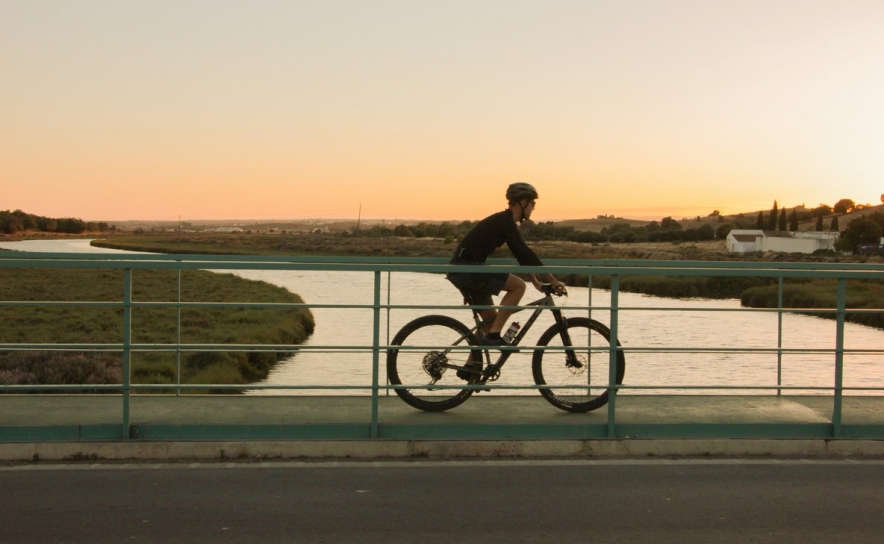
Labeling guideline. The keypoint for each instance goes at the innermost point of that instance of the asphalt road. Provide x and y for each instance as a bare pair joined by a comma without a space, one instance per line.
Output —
488,502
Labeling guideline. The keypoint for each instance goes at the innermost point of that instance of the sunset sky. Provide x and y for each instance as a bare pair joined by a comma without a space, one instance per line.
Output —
411,109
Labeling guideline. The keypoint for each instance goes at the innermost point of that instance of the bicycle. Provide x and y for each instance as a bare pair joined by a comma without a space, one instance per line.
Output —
570,362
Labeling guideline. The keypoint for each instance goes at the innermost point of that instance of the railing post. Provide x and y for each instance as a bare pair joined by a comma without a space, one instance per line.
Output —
387,342
839,357
127,348
612,359
780,337
178,343
376,355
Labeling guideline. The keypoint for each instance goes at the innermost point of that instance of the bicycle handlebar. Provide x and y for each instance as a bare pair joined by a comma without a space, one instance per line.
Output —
548,289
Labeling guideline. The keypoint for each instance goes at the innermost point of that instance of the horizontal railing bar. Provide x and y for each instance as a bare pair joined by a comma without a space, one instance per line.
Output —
641,387
344,260
368,388
684,269
566,309
407,348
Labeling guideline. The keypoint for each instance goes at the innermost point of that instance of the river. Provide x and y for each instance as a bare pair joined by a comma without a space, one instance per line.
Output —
644,322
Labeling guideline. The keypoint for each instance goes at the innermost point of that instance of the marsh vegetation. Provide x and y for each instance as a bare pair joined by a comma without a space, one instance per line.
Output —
74,323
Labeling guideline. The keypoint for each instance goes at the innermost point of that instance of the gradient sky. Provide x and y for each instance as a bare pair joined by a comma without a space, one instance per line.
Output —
410,109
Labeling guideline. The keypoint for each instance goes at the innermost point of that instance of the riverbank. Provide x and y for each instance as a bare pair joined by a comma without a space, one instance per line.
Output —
150,325
752,292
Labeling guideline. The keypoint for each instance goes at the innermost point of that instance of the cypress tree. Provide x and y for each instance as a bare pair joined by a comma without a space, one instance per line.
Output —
793,220
759,223
834,226
781,222
819,222
772,220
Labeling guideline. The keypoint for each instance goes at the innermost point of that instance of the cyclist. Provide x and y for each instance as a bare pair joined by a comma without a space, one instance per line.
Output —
489,234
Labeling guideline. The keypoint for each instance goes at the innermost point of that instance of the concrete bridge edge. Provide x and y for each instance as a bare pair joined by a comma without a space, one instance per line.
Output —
379,450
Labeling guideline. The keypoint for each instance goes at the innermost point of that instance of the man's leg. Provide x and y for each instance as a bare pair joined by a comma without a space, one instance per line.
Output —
488,317
515,289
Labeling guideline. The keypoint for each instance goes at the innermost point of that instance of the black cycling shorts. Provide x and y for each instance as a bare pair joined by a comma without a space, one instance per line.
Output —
478,286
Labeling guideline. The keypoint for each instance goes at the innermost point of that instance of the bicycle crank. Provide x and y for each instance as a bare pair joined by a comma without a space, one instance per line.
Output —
491,374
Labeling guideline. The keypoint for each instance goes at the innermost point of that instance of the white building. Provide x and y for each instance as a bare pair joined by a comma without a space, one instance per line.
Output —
745,241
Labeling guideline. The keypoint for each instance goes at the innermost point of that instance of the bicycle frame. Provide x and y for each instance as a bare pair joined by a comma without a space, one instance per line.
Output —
541,304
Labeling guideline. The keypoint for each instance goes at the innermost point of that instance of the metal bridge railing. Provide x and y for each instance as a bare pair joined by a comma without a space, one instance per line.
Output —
381,308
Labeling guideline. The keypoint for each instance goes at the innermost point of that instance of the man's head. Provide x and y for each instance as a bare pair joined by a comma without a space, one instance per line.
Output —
521,197
520,191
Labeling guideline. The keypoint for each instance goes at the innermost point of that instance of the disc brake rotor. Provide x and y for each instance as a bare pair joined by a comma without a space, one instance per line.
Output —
578,367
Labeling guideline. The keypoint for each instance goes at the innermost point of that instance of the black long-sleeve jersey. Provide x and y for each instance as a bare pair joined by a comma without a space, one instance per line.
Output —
488,235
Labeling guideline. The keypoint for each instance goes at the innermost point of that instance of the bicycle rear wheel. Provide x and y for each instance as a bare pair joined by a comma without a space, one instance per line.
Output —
426,348
577,383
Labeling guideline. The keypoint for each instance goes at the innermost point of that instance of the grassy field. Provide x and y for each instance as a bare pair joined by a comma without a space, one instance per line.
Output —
83,324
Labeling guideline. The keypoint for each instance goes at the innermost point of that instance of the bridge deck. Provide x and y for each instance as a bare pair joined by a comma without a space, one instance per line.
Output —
221,427
47,410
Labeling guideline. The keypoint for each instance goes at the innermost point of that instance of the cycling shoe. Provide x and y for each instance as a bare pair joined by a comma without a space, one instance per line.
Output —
472,368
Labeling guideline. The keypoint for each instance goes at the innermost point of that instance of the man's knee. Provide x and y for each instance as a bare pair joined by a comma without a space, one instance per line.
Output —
515,285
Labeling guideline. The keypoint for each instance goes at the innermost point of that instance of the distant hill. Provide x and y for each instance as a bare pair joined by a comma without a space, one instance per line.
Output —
807,221
600,222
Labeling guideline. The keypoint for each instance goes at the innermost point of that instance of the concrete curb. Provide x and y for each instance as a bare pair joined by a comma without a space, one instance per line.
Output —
437,449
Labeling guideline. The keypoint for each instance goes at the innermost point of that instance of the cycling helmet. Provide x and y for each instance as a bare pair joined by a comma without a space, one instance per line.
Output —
520,191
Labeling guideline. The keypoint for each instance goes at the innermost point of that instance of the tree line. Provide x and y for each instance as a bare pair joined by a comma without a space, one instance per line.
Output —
865,229
666,230
12,222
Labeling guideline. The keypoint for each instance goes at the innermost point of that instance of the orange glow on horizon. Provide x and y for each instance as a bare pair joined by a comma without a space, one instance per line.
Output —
426,111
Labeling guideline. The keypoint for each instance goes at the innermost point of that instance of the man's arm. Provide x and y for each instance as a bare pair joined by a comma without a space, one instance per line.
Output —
550,279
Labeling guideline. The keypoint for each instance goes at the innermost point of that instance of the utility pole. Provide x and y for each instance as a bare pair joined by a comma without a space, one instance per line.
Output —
358,219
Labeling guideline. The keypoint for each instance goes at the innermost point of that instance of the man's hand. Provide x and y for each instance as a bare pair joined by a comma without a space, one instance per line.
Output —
557,286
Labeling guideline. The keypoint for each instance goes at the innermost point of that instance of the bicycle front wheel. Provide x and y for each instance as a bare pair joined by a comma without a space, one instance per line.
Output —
577,378
430,347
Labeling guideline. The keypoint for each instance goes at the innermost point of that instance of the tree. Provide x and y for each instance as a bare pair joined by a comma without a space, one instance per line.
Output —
819,223
706,232
668,223
860,231
833,227
723,230
793,220
781,222
844,205
772,220
759,224
823,209
403,231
